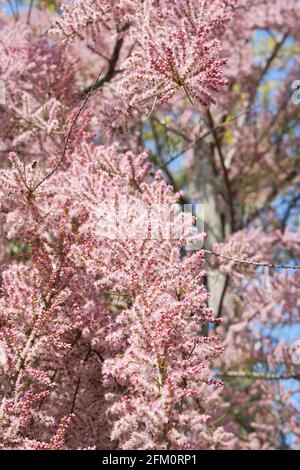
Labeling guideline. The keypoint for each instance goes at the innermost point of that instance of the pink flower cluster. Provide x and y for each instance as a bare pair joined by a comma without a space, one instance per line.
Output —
109,342
94,327
172,47
96,334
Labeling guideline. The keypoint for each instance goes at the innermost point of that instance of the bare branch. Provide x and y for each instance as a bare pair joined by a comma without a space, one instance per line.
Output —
251,263
69,135
259,375
111,70
230,197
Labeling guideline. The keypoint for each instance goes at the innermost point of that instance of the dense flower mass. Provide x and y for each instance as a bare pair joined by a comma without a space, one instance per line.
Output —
172,63
173,47
95,329
113,332
81,308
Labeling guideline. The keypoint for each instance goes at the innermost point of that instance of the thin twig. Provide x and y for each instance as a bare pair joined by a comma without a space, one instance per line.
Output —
251,263
69,135
78,383
111,71
29,12
230,195
268,64
199,139
222,298
171,129
259,375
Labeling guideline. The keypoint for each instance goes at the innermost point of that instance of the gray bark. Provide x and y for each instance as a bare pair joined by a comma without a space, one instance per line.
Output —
205,189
